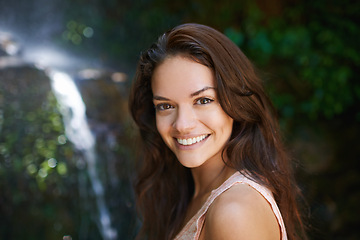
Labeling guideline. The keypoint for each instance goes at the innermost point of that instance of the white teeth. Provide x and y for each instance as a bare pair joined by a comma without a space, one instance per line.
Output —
191,141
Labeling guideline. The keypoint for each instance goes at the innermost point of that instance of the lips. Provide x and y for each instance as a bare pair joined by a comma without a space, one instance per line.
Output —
191,141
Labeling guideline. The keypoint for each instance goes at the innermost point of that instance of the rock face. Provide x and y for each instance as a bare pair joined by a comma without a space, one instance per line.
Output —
104,96
43,179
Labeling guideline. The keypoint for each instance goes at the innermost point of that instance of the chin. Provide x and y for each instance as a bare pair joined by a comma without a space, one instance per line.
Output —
190,164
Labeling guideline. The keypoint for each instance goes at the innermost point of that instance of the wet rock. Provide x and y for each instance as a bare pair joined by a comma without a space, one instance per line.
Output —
105,95
23,83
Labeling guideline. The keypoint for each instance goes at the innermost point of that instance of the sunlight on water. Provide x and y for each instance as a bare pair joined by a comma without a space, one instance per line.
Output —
77,130
73,109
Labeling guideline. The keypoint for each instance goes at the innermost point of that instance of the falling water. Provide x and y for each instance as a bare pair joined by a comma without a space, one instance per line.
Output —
77,130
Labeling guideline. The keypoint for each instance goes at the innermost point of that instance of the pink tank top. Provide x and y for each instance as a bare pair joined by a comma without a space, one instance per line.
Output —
193,228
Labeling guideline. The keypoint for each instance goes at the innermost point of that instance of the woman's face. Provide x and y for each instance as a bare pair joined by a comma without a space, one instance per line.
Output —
189,117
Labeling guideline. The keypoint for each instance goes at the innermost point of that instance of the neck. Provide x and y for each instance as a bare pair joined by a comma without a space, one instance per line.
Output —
208,178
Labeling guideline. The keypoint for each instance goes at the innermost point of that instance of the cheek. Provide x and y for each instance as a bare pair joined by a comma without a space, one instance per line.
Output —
216,117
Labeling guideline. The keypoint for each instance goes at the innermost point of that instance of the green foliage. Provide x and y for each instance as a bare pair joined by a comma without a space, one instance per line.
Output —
314,54
32,132
120,29
34,158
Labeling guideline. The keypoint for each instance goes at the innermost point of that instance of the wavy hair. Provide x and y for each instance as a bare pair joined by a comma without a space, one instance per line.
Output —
164,187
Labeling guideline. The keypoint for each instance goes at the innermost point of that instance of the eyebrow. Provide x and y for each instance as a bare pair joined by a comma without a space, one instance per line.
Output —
200,91
160,98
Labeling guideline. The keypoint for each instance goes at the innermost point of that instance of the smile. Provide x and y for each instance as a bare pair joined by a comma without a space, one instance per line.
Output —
191,141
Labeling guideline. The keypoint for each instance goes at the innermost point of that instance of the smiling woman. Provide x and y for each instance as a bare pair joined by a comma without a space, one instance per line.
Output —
213,166
193,124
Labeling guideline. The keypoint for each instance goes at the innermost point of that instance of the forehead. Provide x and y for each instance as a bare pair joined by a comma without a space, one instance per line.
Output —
179,75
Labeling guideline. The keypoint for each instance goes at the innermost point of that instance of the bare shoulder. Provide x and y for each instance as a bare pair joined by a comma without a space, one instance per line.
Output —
241,213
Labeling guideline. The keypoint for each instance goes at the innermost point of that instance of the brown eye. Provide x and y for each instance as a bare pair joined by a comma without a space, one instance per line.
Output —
202,101
163,106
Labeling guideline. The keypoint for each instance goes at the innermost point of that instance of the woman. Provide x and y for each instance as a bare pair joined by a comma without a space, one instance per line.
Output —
213,165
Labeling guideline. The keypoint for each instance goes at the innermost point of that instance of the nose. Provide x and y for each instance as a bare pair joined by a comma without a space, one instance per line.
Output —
185,120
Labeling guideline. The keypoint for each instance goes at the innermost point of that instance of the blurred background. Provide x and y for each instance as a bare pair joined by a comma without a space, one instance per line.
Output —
66,140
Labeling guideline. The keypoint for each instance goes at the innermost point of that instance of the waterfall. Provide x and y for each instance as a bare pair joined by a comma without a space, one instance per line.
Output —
78,132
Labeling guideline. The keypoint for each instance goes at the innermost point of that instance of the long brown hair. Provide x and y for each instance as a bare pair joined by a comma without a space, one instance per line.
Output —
164,187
